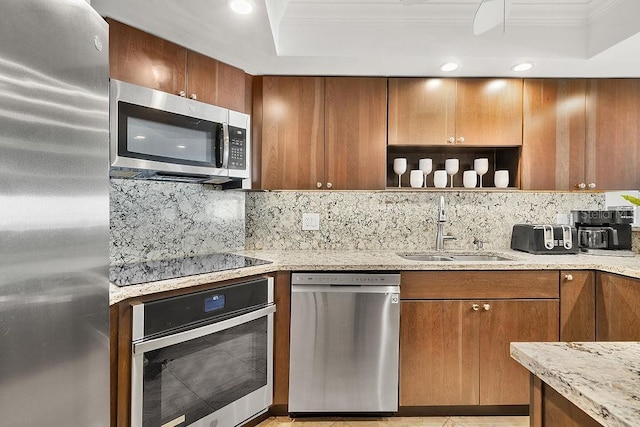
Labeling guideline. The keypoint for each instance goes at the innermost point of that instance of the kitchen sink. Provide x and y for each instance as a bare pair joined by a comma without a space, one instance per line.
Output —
454,257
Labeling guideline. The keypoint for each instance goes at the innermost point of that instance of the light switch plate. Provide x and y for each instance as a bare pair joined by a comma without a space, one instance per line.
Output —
311,221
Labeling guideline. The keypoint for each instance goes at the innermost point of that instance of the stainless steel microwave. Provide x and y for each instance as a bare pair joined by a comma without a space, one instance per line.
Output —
159,136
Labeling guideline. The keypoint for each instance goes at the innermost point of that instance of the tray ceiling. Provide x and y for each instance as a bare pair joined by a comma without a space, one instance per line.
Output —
570,38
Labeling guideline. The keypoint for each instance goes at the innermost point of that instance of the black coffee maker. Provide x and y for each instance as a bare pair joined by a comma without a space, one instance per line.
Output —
604,232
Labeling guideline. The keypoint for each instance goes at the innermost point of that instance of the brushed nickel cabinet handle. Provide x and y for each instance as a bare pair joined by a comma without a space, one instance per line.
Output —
486,307
581,186
319,185
460,140
194,97
475,307
568,277
182,93
451,140
592,185
329,185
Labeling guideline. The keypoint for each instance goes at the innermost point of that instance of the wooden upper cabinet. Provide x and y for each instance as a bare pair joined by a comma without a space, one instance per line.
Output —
489,112
292,128
613,133
146,60
462,112
215,82
554,132
421,111
355,133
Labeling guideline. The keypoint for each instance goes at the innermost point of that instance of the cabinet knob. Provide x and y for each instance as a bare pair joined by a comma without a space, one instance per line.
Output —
460,140
581,186
592,185
319,184
451,140
329,185
475,307
182,93
568,277
486,307
194,96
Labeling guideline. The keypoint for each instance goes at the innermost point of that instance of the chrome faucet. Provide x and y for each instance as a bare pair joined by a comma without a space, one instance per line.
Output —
442,219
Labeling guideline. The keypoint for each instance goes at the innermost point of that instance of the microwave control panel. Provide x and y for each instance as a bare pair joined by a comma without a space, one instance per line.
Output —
237,148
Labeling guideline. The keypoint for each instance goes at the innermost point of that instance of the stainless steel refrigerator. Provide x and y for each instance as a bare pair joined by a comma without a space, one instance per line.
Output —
54,214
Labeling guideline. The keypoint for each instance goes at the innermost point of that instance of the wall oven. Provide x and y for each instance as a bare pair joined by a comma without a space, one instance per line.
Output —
160,136
203,359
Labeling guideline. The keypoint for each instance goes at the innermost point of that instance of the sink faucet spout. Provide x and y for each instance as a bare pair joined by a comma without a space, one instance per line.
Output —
442,219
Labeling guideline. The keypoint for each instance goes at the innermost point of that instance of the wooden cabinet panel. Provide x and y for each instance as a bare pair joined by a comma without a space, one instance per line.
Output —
146,60
613,133
201,77
282,297
503,381
617,302
230,87
577,306
355,133
559,411
421,111
554,132
489,112
438,353
479,284
292,148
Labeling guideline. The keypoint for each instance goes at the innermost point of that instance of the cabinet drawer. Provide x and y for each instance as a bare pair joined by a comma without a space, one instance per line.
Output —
479,284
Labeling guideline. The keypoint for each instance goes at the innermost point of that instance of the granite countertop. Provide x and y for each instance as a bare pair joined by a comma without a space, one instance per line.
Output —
381,260
601,378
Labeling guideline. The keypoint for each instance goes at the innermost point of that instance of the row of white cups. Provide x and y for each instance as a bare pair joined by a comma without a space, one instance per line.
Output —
418,177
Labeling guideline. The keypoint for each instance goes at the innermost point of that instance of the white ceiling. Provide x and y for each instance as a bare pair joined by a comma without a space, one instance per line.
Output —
566,38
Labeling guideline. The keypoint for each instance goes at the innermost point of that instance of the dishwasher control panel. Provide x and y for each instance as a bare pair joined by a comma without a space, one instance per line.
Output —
346,279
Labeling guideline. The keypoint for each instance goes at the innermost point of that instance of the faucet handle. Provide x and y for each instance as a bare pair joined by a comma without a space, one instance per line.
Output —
479,243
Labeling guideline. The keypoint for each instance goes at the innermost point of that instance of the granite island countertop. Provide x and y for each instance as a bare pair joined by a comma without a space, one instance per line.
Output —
600,378
337,260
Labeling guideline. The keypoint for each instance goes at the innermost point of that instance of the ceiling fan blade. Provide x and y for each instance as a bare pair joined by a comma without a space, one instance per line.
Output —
490,13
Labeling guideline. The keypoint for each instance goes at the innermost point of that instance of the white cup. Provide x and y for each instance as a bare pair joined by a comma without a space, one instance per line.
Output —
469,179
501,179
440,178
416,177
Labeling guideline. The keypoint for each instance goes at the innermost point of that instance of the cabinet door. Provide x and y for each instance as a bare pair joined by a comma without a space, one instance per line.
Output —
421,111
292,149
489,112
143,59
215,82
617,302
613,133
355,133
503,381
438,353
554,134
577,306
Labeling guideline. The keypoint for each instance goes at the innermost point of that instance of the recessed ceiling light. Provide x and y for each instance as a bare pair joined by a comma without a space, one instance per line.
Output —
524,66
243,7
449,66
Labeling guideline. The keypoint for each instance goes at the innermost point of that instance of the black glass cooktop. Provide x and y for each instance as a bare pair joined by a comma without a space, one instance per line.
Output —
151,271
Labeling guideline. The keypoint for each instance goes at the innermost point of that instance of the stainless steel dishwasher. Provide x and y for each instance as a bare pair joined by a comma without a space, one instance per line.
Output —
344,342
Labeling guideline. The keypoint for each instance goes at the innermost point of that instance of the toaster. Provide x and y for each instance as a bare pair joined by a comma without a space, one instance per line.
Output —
545,239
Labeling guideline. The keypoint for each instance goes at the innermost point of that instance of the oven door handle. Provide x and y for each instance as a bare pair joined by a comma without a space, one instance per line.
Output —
190,334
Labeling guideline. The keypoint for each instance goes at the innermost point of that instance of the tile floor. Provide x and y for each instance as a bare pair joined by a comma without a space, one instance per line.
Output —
398,422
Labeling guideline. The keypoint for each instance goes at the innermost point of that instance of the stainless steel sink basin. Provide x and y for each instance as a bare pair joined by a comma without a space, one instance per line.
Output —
480,258
454,257
422,257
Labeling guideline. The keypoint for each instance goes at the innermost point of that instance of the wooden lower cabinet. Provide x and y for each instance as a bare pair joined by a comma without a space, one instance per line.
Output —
550,409
617,302
503,381
438,353
577,306
455,352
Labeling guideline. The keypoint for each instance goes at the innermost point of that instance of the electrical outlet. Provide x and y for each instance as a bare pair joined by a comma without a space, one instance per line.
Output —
311,221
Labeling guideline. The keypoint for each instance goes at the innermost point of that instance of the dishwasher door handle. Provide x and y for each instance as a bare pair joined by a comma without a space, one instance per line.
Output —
351,289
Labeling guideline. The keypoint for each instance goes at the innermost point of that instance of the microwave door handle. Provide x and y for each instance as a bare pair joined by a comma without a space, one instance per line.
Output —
225,146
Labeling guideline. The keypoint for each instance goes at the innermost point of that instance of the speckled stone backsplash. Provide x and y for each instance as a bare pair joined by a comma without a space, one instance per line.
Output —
400,220
635,239
158,220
